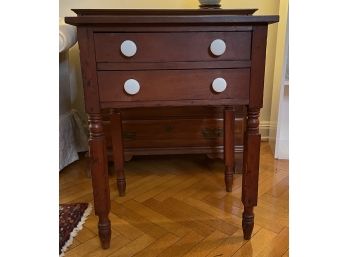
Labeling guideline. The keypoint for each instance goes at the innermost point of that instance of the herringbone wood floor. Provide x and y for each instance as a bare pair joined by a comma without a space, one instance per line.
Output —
177,206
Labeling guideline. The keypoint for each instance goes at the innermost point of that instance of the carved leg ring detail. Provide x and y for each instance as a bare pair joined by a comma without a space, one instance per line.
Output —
104,229
121,186
248,222
251,171
100,179
228,178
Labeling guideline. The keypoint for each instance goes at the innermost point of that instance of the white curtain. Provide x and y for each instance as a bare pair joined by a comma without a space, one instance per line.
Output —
72,131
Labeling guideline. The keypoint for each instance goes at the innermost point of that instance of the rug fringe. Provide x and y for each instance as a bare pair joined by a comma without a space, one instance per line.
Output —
77,229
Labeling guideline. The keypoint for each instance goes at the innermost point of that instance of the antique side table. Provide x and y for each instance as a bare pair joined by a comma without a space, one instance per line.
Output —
165,58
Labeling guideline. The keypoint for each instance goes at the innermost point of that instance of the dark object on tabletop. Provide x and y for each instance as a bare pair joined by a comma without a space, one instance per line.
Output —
209,3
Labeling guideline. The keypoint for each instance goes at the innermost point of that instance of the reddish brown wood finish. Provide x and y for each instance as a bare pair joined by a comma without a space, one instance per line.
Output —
97,145
104,66
158,85
179,85
117,150
251,174
99,12
229,147
174,103
258,59
184,46
100,179
99,28
88,70
252,135
184,17
179,130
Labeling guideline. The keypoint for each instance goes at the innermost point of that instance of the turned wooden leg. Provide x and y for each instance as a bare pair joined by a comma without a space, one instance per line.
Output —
229,147
100,179
245,146
88,166
117,151
251,172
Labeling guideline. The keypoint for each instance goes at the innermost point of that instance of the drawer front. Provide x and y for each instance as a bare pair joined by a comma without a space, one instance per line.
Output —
173,85
171,47
164,133
157,113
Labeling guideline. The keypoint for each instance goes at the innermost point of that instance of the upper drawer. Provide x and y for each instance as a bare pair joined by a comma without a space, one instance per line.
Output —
172,47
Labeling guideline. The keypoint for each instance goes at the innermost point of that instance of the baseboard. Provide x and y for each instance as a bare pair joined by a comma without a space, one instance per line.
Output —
264,130
283,150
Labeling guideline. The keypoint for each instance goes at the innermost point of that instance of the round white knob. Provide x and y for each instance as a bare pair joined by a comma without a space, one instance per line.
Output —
218,47
219,85
128,48
131,86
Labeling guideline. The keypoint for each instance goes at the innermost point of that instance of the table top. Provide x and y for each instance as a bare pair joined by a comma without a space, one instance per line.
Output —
152,16
83,12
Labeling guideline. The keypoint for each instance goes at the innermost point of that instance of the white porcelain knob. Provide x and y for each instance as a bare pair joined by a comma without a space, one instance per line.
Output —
218,47
219,85
128,48
131,86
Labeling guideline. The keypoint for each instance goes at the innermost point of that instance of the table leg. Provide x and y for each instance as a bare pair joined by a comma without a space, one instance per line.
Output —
117,151
100,178
229,147
251,170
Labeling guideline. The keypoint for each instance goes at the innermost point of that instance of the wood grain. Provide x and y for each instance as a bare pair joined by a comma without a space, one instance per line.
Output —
81,12
162,230
229,118
258,60
179,86
173,18
184,46
99,172
117,150
153,131
157,85
88,69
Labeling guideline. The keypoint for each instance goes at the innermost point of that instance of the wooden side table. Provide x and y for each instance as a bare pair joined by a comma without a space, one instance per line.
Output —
167,58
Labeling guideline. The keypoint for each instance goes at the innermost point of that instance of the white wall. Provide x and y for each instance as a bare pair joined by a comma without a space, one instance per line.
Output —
279,126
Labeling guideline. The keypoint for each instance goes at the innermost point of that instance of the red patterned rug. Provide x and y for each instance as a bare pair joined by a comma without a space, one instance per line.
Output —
71,218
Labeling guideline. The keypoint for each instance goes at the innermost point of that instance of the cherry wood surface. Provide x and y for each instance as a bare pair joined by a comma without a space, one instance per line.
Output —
168,47
164,27
169,16
148,131
99,172
182,86
174,132
189,85
229,147
117,150
99,12
103,66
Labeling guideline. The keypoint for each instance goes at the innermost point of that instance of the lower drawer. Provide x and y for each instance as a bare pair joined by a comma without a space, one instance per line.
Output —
173,133
179,130
174,85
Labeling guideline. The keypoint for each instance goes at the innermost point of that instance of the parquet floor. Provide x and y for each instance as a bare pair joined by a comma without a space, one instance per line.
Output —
177,206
